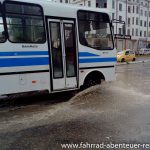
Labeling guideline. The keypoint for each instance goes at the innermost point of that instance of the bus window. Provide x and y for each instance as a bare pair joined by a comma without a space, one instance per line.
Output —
25,23
2,32
94,30
56,50
70,48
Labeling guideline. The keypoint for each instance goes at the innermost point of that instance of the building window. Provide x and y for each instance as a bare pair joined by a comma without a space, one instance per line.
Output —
137,9
60,1
141,23
128,31
146,4
113,4
144,33
141,33
94,30
120,18
133,20
129,21
137,32
149,33
120,31
137,21
145,13
133,9
141,12
105,5
25,23
132,32
120,7
113,15
97,5
89,3
66,1
145,23
129,9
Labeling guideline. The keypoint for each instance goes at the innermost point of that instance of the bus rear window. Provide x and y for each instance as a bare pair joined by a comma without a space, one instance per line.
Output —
94,30
25,23
2,32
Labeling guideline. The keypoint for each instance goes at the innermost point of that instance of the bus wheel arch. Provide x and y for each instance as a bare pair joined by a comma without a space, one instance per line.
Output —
93,78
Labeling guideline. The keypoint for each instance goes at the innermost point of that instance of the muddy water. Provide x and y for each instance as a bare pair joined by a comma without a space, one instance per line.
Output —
112,112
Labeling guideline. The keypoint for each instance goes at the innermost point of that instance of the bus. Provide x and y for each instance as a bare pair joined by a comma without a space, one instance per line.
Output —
47,46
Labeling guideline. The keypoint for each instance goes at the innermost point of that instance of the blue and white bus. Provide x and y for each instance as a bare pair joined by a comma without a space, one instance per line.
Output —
55,47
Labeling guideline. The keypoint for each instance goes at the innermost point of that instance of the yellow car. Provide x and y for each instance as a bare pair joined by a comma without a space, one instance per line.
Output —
126,56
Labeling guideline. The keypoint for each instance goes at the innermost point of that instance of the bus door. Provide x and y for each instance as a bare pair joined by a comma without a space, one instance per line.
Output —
63,54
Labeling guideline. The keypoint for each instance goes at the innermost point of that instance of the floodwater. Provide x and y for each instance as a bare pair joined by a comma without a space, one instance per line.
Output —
117,112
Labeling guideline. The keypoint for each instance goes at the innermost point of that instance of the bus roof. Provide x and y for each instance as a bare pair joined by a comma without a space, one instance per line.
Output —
59,9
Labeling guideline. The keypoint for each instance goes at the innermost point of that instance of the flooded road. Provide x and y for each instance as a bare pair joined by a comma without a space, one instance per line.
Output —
117,112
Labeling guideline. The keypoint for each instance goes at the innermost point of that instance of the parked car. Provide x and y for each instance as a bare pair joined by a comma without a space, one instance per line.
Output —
144,51
126,55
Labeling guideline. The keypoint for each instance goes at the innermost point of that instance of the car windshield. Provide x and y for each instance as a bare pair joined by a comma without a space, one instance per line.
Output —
119,53
132,52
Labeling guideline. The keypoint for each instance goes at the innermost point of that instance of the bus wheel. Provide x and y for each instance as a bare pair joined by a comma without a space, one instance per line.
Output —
89,82
92,83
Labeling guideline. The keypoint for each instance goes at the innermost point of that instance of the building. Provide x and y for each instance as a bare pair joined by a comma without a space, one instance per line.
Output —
136,14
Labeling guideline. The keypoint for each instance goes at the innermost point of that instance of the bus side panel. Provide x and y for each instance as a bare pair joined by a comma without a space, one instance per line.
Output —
94,60
23,68
24,83
109,74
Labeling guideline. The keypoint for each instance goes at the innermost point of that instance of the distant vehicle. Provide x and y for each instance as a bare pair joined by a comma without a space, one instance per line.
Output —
126,55
144,51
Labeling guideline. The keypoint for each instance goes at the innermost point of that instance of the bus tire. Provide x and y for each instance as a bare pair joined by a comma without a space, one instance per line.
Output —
92,82
93,79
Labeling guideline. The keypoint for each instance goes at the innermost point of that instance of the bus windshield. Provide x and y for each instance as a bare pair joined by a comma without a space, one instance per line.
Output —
2,32
94,30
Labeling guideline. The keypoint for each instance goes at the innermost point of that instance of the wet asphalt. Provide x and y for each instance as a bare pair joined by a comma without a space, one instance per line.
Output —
115,112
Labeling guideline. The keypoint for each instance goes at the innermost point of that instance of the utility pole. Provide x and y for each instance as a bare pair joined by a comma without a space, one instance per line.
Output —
126,23
116,18
148,23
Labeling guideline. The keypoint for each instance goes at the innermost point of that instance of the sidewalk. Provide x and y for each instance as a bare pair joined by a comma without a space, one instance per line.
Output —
138,60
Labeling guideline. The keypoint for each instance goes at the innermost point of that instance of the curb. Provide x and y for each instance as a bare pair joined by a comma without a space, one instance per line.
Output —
136,62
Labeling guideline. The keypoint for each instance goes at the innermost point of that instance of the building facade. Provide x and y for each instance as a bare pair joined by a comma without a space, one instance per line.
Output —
136,14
